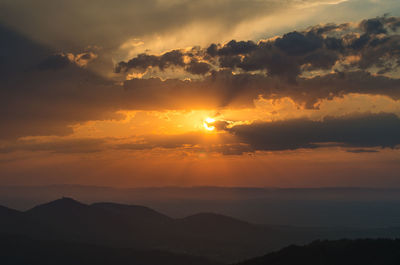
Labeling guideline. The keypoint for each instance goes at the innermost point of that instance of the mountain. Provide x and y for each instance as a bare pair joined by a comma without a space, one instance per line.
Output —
17,223
311,207
341,252
134,213
108,223
210,235
19,250
8,216
7,212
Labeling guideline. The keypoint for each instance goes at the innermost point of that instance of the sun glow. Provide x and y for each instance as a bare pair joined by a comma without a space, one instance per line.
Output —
208,124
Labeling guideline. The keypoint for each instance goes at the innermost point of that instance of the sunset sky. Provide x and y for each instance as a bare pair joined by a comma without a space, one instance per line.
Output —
129,93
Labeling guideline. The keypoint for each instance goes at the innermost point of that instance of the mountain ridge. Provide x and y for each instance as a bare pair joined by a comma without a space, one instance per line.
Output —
215,236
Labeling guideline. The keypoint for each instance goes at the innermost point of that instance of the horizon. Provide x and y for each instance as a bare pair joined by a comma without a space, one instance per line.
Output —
205,187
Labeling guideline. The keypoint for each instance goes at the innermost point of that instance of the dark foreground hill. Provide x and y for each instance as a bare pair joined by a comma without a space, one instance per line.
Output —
19,250
340,252
213,236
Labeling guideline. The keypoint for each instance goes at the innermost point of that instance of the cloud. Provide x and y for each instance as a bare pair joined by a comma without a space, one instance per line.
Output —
318,63
144,61
110,24
357,133
192,142
360,151
196,142
367,130
198,68
54,62
36,101
223,88
232,48
57,145
322,47
19,53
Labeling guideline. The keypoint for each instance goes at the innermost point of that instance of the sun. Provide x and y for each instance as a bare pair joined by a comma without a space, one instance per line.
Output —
208,124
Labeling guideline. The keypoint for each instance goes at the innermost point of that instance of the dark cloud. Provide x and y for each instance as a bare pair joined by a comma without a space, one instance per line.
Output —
54,62
296,43
234,48
144,61
222,88
310,91
18,53
283,61
173,58
198,68
374,25
317,48
218,89
360,151
323,30
368,130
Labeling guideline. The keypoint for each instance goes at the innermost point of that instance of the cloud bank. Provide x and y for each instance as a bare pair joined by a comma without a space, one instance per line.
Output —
44,91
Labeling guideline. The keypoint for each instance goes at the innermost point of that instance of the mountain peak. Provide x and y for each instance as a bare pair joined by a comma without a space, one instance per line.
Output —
63,204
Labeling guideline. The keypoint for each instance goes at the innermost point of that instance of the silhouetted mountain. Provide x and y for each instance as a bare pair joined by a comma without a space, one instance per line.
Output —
61,210
350,207
133,212
17,250
8,216
108,223
4,212
19,223
215,225
210,235
341,252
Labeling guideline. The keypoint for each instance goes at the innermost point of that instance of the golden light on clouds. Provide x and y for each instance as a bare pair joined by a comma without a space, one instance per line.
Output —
181,122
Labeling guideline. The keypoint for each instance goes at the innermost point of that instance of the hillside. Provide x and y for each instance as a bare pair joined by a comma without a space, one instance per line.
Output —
340,252
17,250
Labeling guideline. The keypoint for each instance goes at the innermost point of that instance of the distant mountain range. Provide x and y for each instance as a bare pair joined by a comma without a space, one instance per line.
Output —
214,236
336,206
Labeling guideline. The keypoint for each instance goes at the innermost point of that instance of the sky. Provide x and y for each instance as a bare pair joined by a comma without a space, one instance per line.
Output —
263,93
